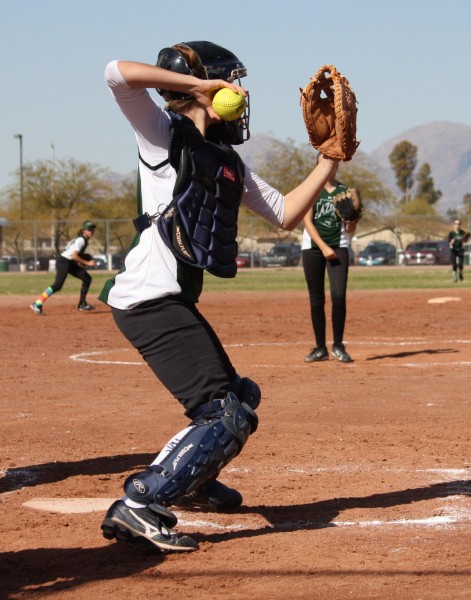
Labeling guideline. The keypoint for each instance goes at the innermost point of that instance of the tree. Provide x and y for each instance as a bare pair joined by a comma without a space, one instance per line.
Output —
376,197
418,206
68,189
287,165
403,159
425,186
61,192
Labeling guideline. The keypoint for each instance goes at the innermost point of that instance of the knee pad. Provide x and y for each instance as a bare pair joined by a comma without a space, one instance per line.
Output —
211,441
246,390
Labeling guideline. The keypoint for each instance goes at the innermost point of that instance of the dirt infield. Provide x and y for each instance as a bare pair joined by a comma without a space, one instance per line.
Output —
356,485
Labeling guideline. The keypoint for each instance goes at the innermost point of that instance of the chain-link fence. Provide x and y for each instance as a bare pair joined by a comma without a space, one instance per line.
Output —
34,245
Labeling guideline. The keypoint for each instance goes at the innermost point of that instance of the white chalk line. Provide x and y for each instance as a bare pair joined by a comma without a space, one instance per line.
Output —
434,364
452,511
456,516
89,357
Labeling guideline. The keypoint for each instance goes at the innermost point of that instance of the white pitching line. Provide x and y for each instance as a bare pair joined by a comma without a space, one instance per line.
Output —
434,364
90,357
91,505
84,357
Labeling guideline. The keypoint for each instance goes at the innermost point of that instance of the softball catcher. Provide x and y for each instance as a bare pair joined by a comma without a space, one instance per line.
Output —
187,160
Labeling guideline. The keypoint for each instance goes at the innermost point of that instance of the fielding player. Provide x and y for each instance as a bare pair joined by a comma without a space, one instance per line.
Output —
457,237
72,261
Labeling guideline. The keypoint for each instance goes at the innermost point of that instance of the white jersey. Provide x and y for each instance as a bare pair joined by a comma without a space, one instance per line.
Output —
150,269
76,245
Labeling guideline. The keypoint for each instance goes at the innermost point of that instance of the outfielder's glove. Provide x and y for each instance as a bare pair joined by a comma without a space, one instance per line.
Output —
86,256
330,114
348,205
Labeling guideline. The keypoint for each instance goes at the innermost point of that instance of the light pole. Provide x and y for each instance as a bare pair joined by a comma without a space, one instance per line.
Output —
19,136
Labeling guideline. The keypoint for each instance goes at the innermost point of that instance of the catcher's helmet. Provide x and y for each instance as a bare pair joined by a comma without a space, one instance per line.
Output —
218,63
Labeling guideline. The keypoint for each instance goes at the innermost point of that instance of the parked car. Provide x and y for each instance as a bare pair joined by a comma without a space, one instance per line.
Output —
41,263
377,254
248,259
429,252
101,263
282,255
117,260
13,264
467,254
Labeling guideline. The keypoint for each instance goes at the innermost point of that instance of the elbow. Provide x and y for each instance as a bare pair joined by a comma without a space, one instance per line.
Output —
291,223
288,226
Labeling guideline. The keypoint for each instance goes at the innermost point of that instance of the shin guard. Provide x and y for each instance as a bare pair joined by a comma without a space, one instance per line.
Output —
195,455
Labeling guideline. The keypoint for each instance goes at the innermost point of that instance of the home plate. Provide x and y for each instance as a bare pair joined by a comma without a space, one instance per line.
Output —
443,300
70,505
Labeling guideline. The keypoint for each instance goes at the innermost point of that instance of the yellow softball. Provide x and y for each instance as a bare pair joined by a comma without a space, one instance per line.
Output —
228,105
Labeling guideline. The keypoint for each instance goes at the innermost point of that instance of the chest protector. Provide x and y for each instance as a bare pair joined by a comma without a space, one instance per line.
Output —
200,224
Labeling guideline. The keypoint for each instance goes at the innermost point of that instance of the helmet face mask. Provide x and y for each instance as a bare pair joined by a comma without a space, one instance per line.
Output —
218,63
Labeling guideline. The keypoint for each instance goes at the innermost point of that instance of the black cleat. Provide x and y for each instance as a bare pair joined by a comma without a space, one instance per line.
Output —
128,524
212,496
316,355
341,354
85,306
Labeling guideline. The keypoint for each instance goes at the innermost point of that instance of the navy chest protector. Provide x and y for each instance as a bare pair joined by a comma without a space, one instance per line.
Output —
200,223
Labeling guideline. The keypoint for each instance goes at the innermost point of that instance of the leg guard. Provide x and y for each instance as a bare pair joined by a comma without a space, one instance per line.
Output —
246,390
212,440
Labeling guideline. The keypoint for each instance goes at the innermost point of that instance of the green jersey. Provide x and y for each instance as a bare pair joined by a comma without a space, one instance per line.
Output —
457,236
329,225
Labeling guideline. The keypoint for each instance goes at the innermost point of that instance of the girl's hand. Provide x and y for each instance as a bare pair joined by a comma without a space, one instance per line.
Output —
328,253
205,89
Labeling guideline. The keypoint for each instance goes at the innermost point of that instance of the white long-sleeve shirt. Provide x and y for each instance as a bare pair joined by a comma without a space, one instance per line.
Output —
150,269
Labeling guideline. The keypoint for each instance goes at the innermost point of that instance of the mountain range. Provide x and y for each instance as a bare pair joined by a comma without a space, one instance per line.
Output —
446,146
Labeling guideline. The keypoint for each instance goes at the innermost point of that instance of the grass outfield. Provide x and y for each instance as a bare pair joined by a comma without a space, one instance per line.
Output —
360,278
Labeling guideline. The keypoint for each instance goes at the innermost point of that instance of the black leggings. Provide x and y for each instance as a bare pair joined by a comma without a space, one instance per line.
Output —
314,265
457,260
180,347
66,267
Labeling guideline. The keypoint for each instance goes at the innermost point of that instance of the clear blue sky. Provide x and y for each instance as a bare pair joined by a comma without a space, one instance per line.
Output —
409,62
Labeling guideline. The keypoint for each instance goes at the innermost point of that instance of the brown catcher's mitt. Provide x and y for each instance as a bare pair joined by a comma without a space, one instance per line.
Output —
330,114
348,205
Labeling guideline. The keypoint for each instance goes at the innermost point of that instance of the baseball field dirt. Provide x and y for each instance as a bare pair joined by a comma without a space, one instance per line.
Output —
356,484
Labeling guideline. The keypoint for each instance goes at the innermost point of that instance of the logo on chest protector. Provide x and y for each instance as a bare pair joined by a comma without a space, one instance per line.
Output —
179,240
182,452
229,173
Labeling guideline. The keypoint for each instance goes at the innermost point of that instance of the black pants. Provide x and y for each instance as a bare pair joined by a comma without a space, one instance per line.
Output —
457,260
180,347
66,267
315,265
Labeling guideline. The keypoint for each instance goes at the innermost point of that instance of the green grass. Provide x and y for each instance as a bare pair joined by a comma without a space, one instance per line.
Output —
360,278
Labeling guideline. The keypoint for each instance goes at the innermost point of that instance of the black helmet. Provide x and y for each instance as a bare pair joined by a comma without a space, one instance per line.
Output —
218,63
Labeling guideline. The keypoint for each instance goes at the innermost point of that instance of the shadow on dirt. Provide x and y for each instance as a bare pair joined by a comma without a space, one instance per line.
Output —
415,353
319,515
21,477
60,569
